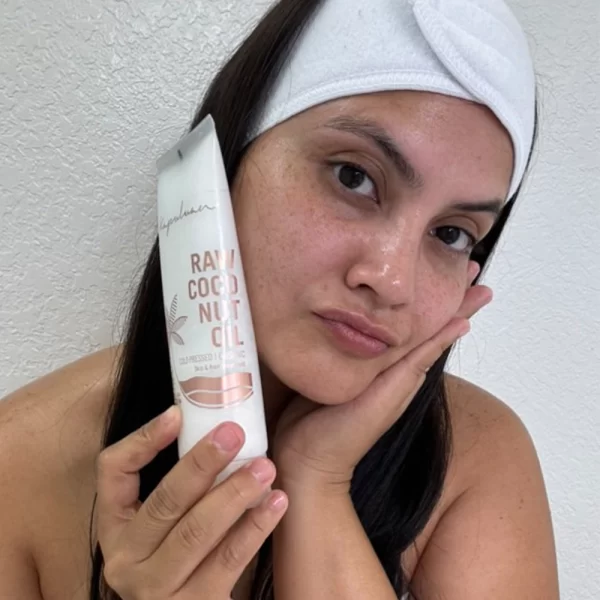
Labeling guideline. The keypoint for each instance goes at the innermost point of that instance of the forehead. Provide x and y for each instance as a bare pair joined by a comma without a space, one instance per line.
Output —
416,119
442,136
404,108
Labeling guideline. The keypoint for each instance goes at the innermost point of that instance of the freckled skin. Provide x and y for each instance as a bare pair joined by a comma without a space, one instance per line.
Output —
308,243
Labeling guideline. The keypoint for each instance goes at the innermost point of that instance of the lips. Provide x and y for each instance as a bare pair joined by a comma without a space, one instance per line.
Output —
351,342
216,392
360,323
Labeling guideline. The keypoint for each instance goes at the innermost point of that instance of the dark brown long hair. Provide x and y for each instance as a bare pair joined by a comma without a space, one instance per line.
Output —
399,482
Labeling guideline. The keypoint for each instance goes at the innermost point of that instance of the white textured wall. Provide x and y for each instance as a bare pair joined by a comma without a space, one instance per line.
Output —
92,92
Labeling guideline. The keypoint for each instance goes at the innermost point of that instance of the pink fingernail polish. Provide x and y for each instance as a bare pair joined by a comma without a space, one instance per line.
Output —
226,438
278,502
261,469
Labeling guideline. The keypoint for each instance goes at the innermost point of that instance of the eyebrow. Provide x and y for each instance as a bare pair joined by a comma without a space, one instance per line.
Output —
374,133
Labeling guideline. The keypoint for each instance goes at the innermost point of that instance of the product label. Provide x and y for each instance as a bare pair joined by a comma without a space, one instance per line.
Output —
213,289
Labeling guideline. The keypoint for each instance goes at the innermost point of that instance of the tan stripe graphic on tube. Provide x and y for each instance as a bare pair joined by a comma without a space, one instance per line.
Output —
216,392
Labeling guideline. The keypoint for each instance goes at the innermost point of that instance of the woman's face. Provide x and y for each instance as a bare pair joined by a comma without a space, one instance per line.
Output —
364,210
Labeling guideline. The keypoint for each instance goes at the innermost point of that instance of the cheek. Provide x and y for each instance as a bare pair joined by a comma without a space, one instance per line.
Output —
285,242
439,297
294,252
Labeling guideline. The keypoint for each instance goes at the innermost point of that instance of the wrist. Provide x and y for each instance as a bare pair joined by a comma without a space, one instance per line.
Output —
313,485
303,472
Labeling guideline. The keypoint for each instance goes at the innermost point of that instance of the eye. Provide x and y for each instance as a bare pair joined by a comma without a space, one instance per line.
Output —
458,239
355,179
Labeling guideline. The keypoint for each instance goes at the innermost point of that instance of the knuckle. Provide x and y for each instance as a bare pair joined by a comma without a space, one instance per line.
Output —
259,524
231,557
419,369
113,573
146,434
122,576
238,488
444,345
162,505
194,532
198,465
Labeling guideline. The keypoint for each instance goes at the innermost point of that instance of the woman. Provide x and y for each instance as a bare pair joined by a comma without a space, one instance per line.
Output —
375,156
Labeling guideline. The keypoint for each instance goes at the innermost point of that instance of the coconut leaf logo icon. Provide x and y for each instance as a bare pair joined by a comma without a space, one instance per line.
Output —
207,391
175,323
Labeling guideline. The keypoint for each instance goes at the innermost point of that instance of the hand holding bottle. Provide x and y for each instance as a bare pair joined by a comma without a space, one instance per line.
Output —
186,541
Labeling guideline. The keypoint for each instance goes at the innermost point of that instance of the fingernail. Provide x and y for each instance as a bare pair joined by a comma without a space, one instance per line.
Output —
262,469
226,438
169,415
277,502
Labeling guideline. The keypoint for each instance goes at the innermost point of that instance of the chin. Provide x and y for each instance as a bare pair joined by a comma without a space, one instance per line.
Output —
327,380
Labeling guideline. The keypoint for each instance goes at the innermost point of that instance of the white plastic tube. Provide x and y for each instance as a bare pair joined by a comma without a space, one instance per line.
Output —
214,362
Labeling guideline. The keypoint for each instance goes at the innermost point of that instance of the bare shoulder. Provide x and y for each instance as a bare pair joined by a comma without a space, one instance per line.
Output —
491,535
51,434
486,431
57,418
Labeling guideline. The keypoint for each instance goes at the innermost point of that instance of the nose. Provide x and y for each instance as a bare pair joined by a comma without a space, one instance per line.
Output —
387,270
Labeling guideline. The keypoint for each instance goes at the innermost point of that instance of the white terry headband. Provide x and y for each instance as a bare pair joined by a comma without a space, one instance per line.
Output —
471,49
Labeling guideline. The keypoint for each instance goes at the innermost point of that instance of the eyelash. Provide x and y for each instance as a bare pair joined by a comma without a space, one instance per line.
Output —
472,240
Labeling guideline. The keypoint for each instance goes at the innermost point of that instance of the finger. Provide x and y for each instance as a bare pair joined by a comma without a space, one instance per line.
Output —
118,480
409,372
384,401
180,489
475,299
197,534
235,552
416,364
473,271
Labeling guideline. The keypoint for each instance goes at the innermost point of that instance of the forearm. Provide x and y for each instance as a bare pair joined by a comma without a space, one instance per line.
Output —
322,552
